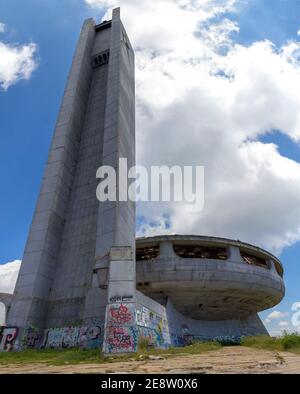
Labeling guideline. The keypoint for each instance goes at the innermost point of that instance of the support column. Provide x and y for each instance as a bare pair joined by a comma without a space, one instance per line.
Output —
120,333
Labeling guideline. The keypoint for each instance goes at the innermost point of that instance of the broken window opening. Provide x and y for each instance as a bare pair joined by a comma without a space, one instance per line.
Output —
254,260
201,252
147,253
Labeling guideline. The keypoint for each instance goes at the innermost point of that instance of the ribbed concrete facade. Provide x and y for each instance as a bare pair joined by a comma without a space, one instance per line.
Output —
71,230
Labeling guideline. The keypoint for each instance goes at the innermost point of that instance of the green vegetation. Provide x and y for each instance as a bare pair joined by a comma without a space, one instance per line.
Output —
77,356
287,342
51,357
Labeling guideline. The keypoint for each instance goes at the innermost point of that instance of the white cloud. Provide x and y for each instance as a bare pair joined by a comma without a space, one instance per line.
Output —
277,315
8,277
283,324
17,62
2,27
202,99
298,33
268,321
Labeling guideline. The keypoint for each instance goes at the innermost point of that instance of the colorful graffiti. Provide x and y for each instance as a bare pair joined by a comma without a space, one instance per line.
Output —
120,335
152,328
121,339
86,337
91,337
120,315
185,339
68,337
9,335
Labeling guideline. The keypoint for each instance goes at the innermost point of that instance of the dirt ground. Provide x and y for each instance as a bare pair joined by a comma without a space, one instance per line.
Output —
228,360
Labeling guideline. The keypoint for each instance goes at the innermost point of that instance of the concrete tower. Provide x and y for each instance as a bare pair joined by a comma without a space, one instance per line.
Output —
63,276
77,283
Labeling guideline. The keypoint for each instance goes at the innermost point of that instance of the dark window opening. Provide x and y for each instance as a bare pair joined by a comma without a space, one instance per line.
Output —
254,260
201,252
148,253
279,269
100,59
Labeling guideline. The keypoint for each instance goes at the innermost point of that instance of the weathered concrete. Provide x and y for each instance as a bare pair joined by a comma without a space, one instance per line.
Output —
120,323
77,283
6,299
71,231
210,289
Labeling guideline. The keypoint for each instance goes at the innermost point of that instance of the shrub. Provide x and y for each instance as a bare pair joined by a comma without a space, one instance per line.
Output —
290,341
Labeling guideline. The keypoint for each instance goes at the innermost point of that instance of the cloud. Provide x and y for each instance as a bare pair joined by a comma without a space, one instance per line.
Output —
283,324
17,62
2,27
8,277
298,33
268,321
203,99
277,315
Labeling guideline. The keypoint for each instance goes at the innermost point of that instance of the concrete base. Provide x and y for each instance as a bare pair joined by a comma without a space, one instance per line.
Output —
128,324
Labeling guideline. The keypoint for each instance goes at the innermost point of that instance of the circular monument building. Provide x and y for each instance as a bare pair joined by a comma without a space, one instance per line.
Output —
213,286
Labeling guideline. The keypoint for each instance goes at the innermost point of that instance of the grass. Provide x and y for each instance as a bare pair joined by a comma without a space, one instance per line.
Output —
77,356
51,357
287,342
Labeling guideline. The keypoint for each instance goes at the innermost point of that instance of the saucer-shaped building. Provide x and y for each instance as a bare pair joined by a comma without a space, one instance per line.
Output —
211,286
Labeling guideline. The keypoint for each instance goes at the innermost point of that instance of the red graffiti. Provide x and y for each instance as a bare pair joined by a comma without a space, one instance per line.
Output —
9,335
120,315
120,338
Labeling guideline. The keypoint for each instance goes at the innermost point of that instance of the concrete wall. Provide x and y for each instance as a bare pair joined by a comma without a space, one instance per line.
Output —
152,322
184,330
146,322
71,230
43,247
116,220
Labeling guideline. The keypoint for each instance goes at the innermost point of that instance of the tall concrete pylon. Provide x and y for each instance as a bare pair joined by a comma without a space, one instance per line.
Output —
63,280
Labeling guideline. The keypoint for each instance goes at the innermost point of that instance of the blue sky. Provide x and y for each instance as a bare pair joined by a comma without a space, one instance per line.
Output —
278,21
29,108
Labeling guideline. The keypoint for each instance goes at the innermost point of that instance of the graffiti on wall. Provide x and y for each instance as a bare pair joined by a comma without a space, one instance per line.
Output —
86,337
120,336
9,336
120,315
121,299
152,327
121,339
183,337
68,337
31,338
